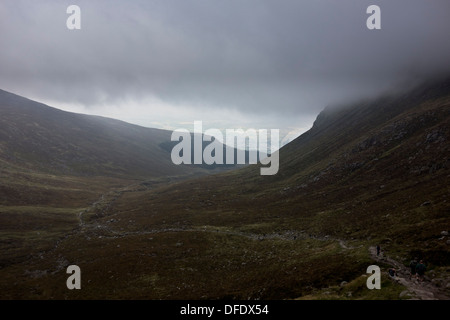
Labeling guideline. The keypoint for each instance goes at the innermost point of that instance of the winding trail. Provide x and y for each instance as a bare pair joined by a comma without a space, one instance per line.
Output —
425,290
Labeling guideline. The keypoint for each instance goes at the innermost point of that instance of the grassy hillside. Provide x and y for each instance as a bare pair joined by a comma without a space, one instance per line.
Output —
55,164
40,138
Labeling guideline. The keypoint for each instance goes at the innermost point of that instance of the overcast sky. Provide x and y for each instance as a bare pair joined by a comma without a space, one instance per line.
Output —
234,63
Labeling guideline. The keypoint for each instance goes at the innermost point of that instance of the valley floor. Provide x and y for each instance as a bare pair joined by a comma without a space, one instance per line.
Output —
123,259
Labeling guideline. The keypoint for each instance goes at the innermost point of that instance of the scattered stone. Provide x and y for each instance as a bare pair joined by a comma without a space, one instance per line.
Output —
426,203
343,283
405,294
438,282
349,294
444,233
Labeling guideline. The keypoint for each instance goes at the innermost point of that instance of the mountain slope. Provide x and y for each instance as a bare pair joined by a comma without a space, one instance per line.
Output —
35,136
55,164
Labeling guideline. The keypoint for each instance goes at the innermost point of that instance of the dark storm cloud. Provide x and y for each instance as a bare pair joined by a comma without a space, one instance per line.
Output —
288,57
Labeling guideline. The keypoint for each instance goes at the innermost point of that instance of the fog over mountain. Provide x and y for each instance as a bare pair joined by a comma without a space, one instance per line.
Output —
266,64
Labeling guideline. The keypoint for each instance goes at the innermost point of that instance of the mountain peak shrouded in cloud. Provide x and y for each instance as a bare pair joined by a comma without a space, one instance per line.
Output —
250,63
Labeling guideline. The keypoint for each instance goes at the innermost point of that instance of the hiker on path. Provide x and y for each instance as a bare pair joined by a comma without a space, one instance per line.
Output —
378,249
420,269
393,273
412,266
